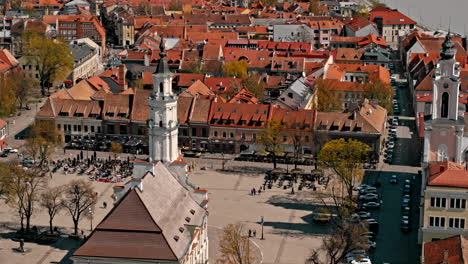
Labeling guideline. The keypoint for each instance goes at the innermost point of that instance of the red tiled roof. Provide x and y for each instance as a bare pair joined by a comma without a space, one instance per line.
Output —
456,248
390,16
448,174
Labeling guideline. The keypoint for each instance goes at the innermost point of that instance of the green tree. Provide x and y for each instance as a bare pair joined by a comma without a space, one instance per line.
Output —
53,59
235,246
376,89
79,196
7,98
362,11
237,69
345,158
42,140
115,149
327,99
270,138
23,87
255,84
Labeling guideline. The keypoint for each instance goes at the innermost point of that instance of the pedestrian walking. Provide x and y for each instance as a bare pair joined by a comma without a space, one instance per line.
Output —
254,233
250,233
254,192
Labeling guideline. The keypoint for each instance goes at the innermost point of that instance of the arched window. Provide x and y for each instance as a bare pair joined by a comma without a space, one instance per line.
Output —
442,152
444,105
161,88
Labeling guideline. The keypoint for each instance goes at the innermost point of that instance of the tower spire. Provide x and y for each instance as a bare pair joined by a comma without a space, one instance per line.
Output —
163,66
448,52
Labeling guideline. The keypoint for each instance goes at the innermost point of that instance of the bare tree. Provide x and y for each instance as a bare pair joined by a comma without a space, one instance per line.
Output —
79,196
42,140
235,247
342,241
51,200
22,188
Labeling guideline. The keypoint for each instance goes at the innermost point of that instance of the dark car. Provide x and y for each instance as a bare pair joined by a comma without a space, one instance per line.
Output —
405,226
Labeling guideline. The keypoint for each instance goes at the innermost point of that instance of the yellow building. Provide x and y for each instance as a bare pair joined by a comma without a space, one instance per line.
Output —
444,209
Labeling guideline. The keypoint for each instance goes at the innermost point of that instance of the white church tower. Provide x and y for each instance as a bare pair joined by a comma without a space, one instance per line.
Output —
444,130
162,123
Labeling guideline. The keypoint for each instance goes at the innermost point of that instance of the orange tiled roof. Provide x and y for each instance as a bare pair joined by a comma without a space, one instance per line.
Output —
448,174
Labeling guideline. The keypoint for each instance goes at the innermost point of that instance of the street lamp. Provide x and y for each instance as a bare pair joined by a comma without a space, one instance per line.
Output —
261,222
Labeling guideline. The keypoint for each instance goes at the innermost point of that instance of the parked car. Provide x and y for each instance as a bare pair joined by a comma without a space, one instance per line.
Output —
394,179
388,159
369,197
362,215
405,226
361,261
405,204
391,144
371,205
371,244
405,211
356,254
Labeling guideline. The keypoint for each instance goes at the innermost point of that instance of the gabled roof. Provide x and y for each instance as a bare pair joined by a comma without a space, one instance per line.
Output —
448,174
197,88
129,214
161,208
454,250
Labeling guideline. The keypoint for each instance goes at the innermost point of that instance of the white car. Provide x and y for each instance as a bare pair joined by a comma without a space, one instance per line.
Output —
391,144
369,197
10,150
361,261
371,244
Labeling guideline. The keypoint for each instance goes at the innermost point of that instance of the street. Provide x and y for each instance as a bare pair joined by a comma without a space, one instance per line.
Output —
393,245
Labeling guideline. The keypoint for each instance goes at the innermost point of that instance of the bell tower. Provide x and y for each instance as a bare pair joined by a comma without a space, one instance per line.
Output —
162,123
446,82
443,135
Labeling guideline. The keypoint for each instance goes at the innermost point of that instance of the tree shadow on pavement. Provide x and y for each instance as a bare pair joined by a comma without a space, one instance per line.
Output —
298,229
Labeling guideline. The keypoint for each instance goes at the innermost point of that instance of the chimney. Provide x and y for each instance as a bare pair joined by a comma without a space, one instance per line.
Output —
122,81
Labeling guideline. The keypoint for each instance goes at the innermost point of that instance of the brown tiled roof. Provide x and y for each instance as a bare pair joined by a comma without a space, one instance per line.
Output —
187,79
367,119
456,248
197,88
201,110
184,104
140,105
129,214
123,244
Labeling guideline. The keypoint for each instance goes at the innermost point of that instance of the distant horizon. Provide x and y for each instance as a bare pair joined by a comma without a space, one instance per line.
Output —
435,14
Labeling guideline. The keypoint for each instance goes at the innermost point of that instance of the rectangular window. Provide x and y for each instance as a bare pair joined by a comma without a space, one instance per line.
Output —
74,128
85,128
457,203
215,134
110,129
231,135
92,129
194,131
99,129
254,136
285,138
123,129
204,132
58,126
438,202
436,221
243,135
224,134
455,222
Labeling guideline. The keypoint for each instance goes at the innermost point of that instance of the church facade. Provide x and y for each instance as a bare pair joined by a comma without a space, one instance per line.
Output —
444,168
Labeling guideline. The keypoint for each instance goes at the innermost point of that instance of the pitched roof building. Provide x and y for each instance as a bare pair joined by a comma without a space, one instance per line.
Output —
156,218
